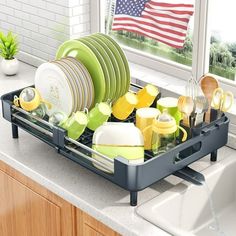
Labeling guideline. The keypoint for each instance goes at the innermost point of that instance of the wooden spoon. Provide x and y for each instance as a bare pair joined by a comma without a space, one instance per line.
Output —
208,84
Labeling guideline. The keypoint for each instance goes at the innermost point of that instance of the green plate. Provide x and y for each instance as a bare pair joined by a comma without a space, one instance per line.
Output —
102,63
122,54
109,65
120,62
84,54
117,79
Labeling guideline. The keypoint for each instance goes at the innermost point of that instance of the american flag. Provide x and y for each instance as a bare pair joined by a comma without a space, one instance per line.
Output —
163,20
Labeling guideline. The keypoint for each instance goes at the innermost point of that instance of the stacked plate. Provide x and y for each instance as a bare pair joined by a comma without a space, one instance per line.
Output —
104,60
66,84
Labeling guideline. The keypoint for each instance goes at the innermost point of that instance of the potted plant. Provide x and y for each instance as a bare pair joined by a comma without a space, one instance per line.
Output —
8,49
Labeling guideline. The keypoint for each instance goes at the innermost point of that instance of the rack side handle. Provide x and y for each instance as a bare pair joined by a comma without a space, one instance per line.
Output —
6,110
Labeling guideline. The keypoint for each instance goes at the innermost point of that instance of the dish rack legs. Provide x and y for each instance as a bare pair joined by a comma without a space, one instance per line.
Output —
214,156
134,195
133,198
14,129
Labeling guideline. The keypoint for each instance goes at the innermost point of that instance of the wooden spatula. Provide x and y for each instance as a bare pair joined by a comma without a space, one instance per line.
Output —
208,85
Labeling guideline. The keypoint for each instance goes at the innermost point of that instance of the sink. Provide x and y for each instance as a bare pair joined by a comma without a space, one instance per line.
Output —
185,210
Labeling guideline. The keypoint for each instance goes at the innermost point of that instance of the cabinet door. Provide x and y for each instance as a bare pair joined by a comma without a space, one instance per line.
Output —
89,231
24,212
88,226
28,209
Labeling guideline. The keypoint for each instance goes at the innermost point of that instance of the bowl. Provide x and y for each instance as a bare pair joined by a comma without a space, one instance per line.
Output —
118,139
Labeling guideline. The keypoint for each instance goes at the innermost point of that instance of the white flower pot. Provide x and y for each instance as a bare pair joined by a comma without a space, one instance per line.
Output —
10,67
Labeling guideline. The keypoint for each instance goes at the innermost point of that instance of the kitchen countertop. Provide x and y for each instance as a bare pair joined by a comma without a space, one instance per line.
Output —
91,193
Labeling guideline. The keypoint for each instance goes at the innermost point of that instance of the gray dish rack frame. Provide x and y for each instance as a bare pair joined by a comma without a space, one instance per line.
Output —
206,139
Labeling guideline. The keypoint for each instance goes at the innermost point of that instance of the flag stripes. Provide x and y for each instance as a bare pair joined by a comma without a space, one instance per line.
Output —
158,19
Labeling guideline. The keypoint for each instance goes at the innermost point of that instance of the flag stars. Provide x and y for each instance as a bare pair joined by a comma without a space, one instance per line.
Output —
130,7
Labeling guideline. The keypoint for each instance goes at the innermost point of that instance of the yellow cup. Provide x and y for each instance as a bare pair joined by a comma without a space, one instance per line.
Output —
144,119
29,99
146,96
124,106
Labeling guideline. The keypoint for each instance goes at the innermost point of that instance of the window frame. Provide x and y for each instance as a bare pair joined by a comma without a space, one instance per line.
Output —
201,46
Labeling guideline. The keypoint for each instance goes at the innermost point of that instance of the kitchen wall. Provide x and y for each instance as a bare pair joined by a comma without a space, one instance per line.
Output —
42,25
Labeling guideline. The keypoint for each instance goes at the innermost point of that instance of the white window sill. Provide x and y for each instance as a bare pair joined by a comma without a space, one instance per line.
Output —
170,86
167,84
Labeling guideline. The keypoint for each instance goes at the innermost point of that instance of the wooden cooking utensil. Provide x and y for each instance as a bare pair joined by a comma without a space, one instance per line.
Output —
208,84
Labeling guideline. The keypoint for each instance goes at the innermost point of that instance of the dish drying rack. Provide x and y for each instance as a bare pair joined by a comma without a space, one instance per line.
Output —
206,139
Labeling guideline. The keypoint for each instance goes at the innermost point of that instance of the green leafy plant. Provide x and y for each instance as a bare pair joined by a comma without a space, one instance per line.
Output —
8,45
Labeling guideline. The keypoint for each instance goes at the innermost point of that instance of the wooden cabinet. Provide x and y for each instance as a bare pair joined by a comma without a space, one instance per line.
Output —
20,205
87,225
28,209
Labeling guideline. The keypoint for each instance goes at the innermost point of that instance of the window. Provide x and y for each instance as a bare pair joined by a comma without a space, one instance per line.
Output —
210,45
147,45
222,60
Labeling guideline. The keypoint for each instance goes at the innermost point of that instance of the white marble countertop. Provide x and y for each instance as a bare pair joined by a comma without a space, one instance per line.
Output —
84,189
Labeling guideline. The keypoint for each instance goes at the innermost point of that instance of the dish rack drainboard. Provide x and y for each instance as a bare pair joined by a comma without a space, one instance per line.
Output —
206,139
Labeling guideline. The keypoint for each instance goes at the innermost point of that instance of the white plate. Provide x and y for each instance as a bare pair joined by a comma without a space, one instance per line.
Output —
80,80
90,85
87,78
69,79
53,86
79,94
83,79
